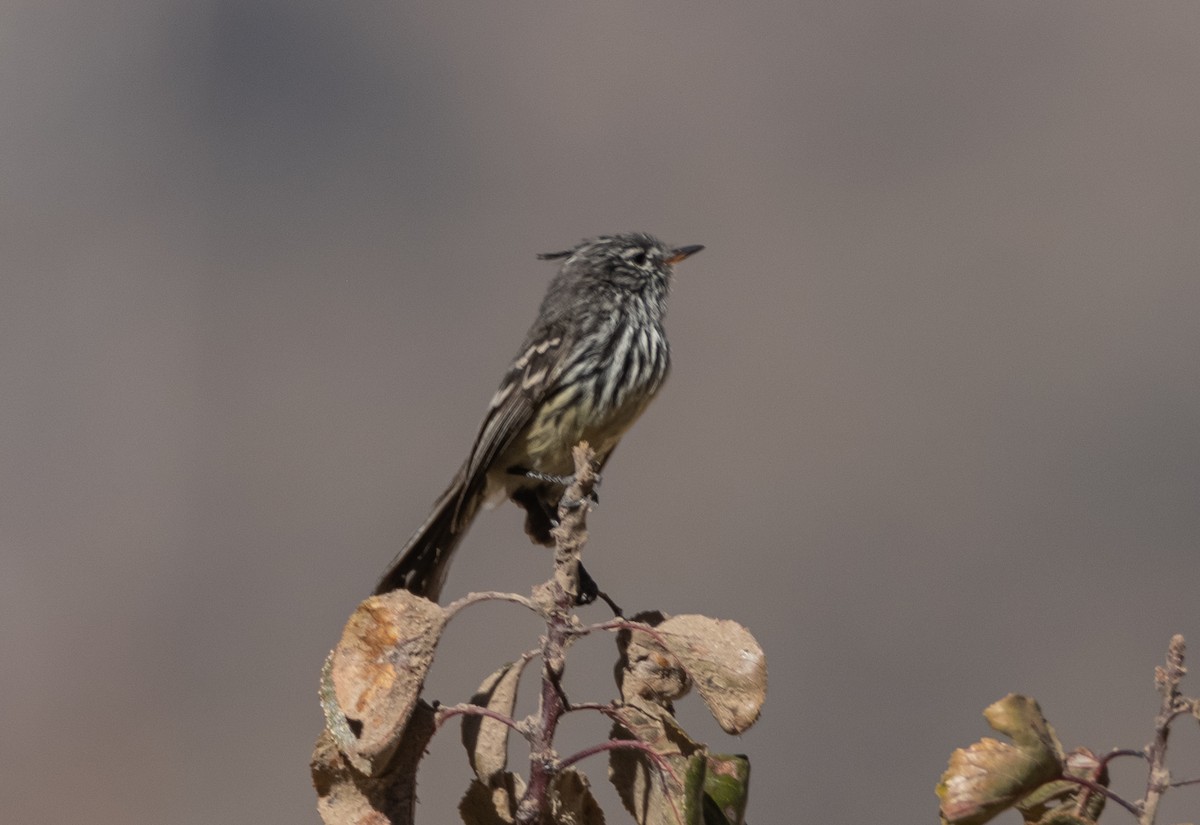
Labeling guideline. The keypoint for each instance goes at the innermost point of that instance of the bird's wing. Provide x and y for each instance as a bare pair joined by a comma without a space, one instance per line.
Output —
525,386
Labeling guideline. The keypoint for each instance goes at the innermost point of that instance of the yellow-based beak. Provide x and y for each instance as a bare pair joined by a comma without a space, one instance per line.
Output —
682,252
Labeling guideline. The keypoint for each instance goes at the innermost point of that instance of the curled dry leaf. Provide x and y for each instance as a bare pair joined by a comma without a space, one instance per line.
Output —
1020,718
664,791
655,797
337,726
486,740
571,800
654,726
348,797
378,669
725,663
647,672
493,803
991,776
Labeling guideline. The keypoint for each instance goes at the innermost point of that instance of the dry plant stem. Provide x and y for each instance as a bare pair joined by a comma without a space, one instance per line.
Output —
1167,679
489,596
561,628
608,710
625,624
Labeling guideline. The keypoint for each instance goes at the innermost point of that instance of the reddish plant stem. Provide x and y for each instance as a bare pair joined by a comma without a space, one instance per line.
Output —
1101,766
664,767
1096,787
445,714
618,744
1113,754
542,759
561,630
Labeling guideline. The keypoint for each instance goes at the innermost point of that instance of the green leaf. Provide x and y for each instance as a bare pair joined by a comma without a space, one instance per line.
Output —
726,789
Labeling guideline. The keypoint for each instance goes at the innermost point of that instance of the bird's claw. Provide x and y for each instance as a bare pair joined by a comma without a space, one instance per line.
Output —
575,503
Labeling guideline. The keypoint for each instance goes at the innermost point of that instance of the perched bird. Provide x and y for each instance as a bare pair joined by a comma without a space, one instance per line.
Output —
593,359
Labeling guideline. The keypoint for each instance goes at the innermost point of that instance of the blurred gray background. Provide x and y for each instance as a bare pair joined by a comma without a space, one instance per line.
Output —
933,431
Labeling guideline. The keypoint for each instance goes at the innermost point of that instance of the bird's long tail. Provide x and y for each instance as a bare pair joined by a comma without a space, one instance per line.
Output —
422,565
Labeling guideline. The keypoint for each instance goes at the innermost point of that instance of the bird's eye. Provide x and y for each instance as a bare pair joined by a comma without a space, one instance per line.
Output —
639,258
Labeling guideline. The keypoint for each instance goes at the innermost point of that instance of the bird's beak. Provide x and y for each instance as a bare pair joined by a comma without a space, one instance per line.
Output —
682,252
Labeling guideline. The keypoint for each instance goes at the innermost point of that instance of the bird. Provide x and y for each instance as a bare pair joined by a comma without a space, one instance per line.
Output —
594,358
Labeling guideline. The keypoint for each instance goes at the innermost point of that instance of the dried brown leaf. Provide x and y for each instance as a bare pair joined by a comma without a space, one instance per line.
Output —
378,669
486,740
571,800
647,671
347,796
663,791
725,663
493,803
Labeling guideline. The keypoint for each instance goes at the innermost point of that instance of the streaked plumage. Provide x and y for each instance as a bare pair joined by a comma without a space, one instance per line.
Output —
594,358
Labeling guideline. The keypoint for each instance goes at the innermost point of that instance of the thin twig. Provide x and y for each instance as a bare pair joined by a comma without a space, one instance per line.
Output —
624,624
1101,767
490,596
618,744
447,712
1184,709
1115,752
607,709
1167,679
660,761
1096,787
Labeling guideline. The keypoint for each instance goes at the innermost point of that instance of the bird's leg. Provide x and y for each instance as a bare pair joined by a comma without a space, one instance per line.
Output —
558,481
564,482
